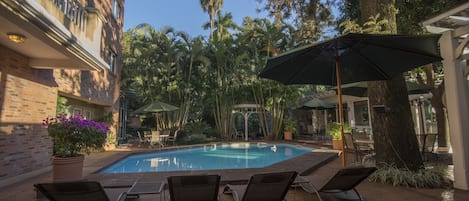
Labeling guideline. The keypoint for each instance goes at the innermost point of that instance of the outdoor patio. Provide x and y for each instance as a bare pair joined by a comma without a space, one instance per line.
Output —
318,167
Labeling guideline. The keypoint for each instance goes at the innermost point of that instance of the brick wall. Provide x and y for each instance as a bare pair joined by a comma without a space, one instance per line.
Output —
26,97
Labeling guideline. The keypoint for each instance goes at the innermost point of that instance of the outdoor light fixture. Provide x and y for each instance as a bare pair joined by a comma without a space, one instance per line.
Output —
16,38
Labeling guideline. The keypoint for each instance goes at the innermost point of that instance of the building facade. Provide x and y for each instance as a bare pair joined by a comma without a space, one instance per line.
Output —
50,51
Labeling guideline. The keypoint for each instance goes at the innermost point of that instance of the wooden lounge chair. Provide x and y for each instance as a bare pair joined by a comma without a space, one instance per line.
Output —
342,185
194,187
263,187
75,191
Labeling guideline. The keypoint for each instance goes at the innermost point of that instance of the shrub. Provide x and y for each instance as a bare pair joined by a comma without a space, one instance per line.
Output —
333,129
74,134
429,177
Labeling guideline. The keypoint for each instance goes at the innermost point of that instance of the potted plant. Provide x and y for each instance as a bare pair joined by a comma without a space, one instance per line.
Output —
289,128
71,136
333,129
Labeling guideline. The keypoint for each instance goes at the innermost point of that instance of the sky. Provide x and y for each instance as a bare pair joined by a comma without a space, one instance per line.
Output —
183,15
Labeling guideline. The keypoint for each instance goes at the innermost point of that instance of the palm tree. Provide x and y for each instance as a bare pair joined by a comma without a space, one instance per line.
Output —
223,25
212,7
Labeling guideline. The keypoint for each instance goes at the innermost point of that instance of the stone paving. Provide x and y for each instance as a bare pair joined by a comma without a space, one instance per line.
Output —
316,167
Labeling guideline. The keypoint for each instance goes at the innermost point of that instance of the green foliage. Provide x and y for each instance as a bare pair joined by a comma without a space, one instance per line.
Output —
333,129
62,107
289,125
429,177
199,127
373,26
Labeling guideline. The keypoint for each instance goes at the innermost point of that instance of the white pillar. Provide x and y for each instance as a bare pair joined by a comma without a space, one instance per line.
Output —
458,113
246,122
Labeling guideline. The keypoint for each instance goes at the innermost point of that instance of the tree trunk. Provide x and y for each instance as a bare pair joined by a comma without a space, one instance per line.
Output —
393,129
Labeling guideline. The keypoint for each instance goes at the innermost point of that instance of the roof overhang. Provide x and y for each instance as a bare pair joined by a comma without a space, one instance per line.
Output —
49,43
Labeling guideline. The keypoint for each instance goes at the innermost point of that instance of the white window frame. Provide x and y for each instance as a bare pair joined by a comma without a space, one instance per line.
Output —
112,61
116,9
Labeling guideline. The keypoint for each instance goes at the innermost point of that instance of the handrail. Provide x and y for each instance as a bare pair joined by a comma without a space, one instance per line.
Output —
74,11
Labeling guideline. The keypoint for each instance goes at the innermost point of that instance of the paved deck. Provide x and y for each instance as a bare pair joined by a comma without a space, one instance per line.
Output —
315,167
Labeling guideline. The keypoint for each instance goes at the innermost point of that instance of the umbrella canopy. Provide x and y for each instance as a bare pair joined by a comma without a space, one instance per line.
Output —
154,107
316,104
360,89
352,58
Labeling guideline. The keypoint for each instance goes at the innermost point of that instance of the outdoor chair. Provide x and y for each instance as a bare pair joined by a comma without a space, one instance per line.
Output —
75,191
173,138
351,146
427,144
263,187
342,185
141,139
194,187
155,139
237,134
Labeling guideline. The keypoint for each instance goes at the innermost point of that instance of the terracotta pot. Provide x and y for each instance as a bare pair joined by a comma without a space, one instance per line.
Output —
287,135
337,144
67,168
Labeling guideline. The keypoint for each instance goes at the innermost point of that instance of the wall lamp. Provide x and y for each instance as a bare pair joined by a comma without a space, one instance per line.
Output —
16,38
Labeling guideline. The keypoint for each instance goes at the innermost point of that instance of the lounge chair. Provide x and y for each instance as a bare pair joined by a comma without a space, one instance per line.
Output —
75,191
263,187
194,187
342,185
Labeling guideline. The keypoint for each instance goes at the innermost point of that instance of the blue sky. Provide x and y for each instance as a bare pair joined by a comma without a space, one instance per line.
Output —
182,15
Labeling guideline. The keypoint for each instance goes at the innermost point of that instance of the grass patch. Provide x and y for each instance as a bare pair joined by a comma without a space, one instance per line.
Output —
429,177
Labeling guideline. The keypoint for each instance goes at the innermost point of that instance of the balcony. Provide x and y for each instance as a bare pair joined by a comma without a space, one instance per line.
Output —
56,33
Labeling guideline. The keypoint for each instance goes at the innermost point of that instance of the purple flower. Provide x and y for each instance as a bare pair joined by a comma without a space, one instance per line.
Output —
72,134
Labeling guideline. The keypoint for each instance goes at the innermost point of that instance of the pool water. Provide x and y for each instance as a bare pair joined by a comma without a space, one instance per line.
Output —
208,157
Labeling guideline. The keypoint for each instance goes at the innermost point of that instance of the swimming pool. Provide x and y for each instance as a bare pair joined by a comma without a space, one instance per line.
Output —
208,157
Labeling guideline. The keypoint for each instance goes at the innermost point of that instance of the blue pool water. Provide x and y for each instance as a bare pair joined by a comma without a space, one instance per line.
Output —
208,157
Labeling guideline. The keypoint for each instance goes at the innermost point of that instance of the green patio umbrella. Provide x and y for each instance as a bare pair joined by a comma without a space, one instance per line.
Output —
352,58
316,104
155,107
360,89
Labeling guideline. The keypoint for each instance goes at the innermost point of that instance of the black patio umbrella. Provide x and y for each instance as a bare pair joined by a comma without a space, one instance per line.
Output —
316,104
360,89
352,58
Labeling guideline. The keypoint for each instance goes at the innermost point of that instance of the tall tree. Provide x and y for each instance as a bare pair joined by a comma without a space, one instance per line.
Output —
309,16
393,132
212,7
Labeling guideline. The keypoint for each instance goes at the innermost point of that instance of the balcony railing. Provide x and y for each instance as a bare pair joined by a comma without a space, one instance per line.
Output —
74,11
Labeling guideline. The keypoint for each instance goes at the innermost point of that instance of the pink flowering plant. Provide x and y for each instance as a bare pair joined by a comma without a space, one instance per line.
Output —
73,134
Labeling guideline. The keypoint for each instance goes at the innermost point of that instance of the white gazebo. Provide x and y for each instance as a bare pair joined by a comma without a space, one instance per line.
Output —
246,110
454,27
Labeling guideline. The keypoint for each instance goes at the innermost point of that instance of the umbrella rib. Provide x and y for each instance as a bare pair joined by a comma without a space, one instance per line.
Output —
376,67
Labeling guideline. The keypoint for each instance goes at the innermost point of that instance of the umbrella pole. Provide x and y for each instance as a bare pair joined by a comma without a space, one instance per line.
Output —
341,111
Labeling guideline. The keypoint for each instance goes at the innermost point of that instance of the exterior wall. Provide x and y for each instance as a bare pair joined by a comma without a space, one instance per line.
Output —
27,96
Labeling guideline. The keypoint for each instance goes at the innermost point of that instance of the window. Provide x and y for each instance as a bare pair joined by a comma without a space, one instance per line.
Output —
116,9
112,61
361,113
77,111
87,114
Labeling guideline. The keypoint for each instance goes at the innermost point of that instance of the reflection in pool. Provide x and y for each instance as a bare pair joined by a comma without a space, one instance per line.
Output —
208,157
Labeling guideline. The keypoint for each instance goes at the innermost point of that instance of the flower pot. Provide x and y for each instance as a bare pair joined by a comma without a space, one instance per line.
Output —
287,135
67,168
337,144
